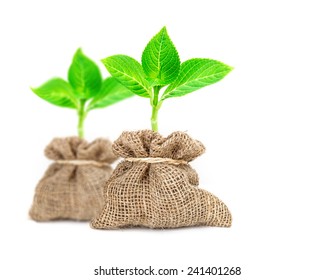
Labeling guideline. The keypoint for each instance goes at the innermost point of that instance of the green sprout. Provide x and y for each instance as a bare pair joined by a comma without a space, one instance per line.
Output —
84,91
161,68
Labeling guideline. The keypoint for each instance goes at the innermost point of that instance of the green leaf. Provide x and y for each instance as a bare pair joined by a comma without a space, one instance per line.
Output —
111,92
84,76
195,74
129,73
57,92
160,59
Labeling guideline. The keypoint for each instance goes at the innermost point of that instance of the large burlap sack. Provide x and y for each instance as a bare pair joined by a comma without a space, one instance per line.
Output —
156,187
72,187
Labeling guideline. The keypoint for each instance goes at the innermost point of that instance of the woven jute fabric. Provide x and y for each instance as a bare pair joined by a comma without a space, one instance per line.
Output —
72,186
157,194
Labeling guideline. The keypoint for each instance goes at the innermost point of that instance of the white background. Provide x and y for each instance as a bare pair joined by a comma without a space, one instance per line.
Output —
268,128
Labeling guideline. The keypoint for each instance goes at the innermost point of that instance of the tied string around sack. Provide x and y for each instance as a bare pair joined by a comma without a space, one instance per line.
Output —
83,162
158,160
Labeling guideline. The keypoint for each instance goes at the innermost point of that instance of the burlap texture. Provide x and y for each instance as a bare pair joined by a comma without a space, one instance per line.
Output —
158,195
71,191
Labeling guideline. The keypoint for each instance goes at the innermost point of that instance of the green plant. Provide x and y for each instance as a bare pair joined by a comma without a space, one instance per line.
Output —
84,91
161,68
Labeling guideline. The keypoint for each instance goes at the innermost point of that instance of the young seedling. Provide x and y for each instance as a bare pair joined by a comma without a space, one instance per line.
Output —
161,68
84,91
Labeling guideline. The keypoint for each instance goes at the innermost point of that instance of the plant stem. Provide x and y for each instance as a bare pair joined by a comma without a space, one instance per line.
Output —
81,116
154,124
155,108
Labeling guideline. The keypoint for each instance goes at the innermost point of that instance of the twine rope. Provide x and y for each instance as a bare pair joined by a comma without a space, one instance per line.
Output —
158,160
83,162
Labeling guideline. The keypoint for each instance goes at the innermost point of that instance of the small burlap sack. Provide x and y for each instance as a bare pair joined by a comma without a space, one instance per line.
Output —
155,186
72,187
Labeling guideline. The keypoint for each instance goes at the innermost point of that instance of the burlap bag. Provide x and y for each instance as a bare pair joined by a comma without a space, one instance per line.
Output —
155,186
72,187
